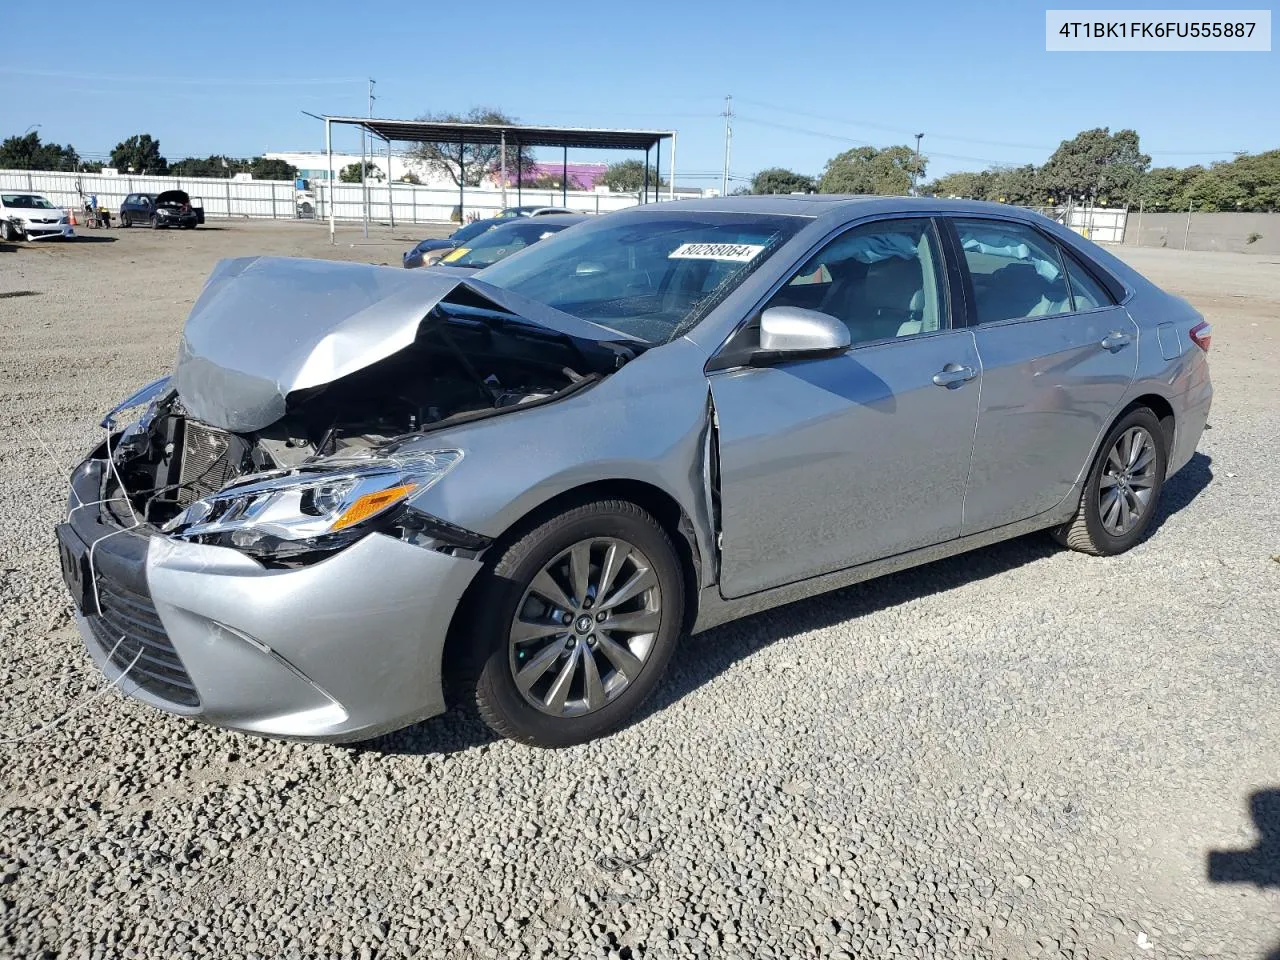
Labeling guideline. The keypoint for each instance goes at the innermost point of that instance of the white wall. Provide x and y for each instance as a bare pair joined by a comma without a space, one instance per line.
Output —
273,199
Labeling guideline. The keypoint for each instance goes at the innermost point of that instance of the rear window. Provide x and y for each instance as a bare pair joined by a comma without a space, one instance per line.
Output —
26,201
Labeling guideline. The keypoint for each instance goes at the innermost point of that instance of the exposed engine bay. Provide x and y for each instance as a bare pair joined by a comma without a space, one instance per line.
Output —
466,362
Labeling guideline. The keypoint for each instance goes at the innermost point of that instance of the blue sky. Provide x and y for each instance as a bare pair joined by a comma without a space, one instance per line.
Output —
808,80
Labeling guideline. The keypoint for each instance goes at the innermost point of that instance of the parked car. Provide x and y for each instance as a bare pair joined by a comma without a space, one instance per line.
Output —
509,213
29,216
431,250
542,474
504,240
172,208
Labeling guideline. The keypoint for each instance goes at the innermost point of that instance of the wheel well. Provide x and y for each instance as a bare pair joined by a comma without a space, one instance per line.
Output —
1163,411
654,500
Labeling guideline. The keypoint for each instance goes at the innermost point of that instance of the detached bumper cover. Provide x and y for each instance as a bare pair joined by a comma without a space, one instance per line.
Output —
344,649
47,231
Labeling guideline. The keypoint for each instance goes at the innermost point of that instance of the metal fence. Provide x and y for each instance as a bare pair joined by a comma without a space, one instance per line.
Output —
276,199
1100,224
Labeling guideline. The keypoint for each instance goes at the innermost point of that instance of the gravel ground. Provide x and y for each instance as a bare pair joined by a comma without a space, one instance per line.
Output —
1021,752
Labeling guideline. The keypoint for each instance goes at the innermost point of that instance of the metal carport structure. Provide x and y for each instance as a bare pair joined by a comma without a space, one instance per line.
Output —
499,134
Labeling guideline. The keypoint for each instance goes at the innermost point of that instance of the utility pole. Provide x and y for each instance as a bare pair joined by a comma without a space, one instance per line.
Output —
366,149
728,143
916,168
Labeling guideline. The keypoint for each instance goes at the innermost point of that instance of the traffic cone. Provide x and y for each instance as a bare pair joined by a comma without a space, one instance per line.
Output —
72,212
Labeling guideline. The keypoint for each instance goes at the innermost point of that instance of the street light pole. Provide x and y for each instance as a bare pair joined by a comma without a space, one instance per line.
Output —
916,167
728,143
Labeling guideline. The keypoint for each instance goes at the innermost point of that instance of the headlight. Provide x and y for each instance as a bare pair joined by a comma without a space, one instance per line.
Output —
312,509
144,396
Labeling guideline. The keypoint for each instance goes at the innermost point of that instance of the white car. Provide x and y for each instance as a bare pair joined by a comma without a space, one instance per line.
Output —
31,216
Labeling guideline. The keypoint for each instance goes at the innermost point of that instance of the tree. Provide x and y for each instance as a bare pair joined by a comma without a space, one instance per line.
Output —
627,176
886,171
549,180
264,168
965,185
215,165
780,180
1098,165
351,172
28,153
139,154
1021,185
470,161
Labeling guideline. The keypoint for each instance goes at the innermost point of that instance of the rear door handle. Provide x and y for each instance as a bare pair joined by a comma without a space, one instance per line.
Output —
1115,340
952,375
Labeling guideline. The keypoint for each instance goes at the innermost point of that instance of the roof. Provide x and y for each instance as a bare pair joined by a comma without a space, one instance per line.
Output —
818,204
433,131
549,219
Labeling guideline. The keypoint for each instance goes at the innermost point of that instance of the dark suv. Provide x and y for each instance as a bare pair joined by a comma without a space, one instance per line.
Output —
169,209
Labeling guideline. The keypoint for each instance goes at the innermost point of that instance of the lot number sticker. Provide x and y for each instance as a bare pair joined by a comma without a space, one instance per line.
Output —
737,252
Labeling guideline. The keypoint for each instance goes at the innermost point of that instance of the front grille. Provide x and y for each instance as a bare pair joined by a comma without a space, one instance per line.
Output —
205,466
132,616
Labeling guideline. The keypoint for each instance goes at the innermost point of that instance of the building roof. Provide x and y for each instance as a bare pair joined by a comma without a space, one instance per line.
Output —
433,131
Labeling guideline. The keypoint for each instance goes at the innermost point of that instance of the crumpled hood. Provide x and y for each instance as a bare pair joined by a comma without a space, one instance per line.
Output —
264,327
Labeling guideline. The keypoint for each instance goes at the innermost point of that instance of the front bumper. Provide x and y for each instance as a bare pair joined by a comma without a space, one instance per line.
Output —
47,231
342,650
178,219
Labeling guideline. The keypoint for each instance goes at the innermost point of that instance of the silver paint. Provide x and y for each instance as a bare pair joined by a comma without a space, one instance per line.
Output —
824,472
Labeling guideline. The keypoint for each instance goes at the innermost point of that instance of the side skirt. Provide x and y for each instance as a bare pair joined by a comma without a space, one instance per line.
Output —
713,609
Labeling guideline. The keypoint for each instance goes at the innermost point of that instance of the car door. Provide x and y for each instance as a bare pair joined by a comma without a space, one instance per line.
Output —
827,463
1058,354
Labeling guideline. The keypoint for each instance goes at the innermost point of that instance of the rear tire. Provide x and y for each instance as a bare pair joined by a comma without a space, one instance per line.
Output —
588,557
1123,488
125,221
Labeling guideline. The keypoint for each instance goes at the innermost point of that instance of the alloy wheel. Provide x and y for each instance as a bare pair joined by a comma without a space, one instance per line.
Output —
585,627
1127,481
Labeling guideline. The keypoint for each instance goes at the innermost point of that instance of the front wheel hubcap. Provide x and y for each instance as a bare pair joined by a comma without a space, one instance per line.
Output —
585,627
1127,482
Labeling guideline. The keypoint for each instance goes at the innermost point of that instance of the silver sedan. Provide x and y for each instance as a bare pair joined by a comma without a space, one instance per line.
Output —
542,475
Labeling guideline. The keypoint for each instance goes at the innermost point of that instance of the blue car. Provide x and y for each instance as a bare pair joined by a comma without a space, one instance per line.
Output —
430,251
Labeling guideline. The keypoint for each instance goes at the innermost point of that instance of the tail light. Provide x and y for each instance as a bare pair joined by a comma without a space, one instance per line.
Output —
1201,335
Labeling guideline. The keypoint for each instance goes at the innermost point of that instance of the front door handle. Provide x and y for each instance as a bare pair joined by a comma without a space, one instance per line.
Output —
1115,340
953,375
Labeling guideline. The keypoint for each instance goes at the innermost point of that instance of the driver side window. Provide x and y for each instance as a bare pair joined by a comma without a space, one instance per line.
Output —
882,280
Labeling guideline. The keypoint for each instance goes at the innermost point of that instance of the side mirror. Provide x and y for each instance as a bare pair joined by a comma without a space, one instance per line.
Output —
793,331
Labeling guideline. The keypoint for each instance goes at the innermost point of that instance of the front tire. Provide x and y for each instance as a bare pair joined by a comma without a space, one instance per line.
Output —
6,231
155,222
578,621
1123,488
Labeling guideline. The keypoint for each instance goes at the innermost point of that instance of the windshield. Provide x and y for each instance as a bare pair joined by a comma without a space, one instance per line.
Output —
472,230
653,276
500,243
26,201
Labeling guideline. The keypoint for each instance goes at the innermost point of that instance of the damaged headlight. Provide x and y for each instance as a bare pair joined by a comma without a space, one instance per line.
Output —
312,509
143,396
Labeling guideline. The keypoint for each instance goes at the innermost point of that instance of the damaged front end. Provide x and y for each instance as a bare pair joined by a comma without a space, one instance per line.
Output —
248,550
288,435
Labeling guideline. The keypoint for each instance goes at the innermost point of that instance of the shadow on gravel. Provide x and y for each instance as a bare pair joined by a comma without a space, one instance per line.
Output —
90,238
452,732
1183,487
1260,864
702,658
